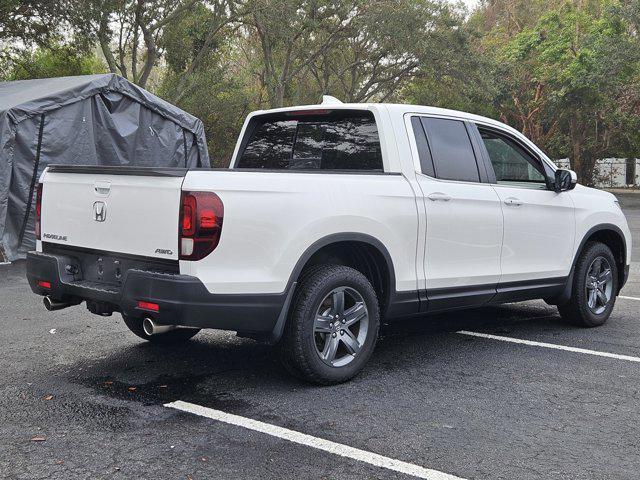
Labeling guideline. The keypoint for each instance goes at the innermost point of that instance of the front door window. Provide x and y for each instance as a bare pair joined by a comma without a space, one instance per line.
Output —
511,163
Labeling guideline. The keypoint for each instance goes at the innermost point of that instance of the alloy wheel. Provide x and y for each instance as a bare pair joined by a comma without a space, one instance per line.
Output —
340,326
599,285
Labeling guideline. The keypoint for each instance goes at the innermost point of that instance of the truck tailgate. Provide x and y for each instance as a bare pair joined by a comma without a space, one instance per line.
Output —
113,209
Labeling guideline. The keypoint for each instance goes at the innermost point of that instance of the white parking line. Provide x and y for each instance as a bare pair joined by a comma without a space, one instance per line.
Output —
629,298
313,442
628,358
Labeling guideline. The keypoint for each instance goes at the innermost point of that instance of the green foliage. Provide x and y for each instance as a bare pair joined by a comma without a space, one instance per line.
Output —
29,21
57,61
221,103
184,38
565,72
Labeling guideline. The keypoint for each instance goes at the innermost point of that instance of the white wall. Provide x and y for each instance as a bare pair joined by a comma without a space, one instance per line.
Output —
609,172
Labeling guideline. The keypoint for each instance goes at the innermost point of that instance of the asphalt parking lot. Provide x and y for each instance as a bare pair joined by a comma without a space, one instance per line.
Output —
82,397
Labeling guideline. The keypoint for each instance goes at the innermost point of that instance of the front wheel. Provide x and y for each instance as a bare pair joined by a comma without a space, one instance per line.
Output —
171,337
333,326
595,287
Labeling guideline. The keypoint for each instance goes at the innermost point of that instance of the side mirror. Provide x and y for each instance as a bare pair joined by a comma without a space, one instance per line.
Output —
564,180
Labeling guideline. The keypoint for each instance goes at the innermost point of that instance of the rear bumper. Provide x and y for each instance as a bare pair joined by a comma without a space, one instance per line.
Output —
182,299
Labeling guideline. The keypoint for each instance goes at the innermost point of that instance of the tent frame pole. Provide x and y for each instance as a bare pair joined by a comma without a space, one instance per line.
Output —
33,181
184,143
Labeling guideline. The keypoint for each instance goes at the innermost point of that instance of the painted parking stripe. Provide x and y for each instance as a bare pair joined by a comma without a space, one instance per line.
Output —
629,298
313,442
596,353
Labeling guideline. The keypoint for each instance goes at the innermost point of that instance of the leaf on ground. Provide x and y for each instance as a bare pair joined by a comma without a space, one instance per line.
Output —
132,389
38,438
48,397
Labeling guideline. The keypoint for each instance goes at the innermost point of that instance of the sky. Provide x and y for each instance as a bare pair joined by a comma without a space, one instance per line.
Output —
470,3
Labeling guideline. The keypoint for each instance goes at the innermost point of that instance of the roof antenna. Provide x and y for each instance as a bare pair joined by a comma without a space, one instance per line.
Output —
329,100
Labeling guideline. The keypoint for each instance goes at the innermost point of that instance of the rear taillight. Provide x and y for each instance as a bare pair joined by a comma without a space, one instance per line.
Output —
201,215
38,209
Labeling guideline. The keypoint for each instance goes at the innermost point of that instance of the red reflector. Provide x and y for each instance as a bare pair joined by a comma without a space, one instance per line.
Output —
148,306
43,284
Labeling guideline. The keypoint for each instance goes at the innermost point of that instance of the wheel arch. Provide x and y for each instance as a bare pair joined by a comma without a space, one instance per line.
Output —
612,236
361,251
381,273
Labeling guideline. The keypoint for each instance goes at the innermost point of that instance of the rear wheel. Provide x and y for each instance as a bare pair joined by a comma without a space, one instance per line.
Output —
333,326
178,335
595,287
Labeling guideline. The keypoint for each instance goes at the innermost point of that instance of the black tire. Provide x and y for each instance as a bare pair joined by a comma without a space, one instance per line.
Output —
179,335
300,344
577,310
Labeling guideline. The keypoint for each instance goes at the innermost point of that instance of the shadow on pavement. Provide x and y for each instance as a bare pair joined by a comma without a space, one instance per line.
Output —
216,368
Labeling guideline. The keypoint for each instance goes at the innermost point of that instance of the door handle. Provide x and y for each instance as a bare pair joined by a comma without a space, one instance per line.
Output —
102,188
513,202
439,197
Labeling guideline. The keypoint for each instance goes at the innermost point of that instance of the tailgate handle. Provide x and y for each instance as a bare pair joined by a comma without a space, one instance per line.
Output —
102,188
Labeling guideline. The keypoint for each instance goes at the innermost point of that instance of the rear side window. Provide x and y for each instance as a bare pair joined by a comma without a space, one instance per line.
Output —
451,150
343,140
426,163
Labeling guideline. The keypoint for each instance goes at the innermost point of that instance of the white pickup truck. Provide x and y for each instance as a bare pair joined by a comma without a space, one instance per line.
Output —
329,219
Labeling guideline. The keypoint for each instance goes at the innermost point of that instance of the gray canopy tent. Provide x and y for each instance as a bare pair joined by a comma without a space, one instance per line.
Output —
84,120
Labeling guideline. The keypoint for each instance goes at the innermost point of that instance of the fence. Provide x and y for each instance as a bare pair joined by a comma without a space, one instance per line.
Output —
612,172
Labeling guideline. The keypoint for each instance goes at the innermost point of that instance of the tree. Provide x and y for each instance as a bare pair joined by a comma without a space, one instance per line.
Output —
193,42
25,23
565,72
29,20
222,104
289,35
582,62
461,76
359,50
204,76
387,44
127,31
55,61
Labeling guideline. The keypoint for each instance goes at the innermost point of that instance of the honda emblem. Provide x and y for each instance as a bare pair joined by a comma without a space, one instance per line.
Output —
99,211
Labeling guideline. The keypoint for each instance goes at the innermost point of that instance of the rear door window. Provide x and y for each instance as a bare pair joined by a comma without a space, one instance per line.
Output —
451,150
342,140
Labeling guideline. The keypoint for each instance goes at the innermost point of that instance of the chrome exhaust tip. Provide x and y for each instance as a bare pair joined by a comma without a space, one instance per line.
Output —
52,305
152,328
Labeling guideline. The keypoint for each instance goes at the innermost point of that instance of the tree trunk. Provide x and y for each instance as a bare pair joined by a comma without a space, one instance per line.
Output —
276,94
581,160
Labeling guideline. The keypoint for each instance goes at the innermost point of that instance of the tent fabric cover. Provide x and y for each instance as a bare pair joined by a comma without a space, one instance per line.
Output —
83,120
